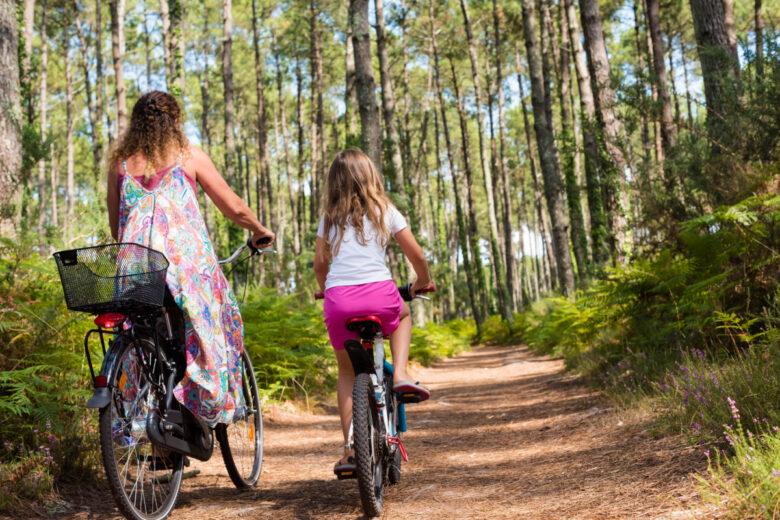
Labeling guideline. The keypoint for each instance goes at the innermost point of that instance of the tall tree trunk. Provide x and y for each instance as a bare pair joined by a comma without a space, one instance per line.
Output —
639,72
205,131
613,175
668,130
553,183
388,104
102,80
69,184
506,186
593,163
687,85
672,82
227,81
262,132
713,26
176,84
406,142
10,110
301,158
118,52
43,95
165,16
495,253
579,240
94,121
147,47
350,94
364,75
288,166
462,239
317,117
472,232
25,73
758,28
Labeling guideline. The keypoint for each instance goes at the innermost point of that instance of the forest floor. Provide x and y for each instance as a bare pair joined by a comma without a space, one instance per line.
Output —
506,434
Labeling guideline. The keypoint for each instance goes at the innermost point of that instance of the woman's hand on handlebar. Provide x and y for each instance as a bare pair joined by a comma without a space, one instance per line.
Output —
262,238
422,286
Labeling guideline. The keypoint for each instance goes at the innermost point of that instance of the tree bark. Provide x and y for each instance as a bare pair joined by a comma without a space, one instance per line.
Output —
262,131
227,81
301,157
579,240
43,125
495,253
613,174
388,105
713,26
118,52
687,85
102,80
177,44
25,73
10,110
350,94
506,186
462,238
553,183
668,130
317,143
364,76
598,224
69,181
165,16
758,28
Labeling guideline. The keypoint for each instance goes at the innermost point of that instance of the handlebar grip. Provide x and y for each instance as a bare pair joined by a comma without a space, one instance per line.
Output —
432,288
251,245
319,295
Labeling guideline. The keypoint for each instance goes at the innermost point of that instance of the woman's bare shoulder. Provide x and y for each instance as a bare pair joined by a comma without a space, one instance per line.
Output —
195,161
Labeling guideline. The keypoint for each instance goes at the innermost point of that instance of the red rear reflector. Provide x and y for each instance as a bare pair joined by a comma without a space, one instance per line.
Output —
110,320
101,382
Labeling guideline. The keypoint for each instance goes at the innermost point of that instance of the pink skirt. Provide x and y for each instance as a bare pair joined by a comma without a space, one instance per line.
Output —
350,301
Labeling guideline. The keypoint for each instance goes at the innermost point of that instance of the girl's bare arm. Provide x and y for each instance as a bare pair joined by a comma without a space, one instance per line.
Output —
321,261
416,256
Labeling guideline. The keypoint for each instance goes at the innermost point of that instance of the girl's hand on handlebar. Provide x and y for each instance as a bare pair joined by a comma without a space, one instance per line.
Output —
263,238
423,286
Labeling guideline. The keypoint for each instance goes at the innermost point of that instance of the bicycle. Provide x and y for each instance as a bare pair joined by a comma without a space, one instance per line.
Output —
146,436
378,415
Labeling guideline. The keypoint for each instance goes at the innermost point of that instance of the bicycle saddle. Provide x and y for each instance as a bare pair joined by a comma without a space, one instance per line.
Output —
367,326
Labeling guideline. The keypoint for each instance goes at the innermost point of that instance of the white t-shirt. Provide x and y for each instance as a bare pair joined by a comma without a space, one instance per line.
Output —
356,264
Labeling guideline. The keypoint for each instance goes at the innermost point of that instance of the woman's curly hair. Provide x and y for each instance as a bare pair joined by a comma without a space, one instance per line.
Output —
155,129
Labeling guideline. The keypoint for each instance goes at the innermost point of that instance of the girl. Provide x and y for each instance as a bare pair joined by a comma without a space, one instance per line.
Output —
152,200
349,262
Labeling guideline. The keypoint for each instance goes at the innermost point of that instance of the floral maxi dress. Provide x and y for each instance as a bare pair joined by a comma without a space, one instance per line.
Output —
167,218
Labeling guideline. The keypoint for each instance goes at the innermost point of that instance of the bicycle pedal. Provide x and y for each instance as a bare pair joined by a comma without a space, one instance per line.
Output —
409,398
346,475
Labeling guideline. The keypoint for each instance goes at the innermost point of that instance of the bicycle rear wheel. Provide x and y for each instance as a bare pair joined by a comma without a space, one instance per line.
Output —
369,452
241,441
144,478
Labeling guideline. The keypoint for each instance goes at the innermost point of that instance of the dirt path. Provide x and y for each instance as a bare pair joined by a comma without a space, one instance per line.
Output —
507,434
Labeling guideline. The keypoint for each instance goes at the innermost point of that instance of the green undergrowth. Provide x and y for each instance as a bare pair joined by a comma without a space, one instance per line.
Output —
691,330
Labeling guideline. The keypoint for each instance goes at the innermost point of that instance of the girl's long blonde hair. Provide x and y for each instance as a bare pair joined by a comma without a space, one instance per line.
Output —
354,190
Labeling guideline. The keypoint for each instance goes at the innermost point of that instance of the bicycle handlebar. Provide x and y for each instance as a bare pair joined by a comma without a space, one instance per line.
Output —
405,290
254,250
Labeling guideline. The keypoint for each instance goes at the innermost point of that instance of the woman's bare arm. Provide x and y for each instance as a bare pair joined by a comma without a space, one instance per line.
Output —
224,198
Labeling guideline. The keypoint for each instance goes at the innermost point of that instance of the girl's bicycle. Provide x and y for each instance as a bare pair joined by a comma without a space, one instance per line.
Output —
378,415
145,434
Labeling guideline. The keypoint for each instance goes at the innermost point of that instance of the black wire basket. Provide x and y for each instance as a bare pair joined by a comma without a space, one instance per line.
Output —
126,278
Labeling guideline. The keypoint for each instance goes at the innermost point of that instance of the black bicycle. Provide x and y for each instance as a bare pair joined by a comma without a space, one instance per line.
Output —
146,436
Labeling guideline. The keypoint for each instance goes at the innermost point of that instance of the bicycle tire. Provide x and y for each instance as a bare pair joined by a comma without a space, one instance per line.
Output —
125,448
369,458
244,473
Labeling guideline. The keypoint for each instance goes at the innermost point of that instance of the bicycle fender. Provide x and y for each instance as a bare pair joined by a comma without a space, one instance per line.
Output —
102,395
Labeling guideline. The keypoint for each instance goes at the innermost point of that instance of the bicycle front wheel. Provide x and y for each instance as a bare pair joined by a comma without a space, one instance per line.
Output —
144,478
241,441
368,445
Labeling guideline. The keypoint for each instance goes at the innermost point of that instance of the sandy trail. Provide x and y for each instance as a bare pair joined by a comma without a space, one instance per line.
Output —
507,434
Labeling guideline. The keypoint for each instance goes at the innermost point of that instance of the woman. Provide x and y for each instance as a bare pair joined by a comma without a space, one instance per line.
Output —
153,176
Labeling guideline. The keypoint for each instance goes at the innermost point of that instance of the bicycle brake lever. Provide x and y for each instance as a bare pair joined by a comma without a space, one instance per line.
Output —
422,297
266,250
